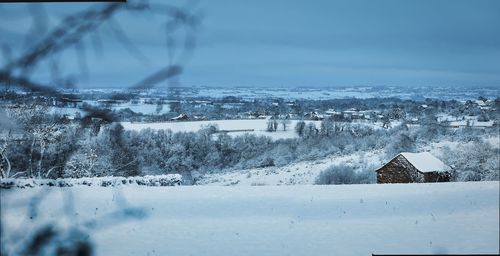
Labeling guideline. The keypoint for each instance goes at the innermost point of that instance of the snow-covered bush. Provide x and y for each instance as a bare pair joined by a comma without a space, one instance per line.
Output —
473,161
149,180
337,174
345,174
365,176
266,162
81,164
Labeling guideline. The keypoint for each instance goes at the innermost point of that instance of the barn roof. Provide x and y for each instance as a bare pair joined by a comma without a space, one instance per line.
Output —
426,162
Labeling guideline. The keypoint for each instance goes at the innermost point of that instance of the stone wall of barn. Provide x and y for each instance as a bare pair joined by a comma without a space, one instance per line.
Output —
437,177
399,170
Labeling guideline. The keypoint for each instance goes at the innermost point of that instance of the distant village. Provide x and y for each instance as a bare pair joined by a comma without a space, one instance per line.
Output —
477,113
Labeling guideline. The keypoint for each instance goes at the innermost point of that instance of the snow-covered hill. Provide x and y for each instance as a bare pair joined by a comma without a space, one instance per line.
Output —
306,172
270,220
299,173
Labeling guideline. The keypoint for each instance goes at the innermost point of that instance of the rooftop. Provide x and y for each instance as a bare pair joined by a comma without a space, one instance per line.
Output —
425,162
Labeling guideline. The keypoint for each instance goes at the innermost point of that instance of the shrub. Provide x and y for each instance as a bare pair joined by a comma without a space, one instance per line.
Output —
337,174
345,174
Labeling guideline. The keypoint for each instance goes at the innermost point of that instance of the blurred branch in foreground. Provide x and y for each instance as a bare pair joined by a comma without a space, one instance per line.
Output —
71,31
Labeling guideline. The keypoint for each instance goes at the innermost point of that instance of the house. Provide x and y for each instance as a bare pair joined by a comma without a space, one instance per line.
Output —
349,113
336,115
181,117
367,114
314,116
68,102
412,168
480,103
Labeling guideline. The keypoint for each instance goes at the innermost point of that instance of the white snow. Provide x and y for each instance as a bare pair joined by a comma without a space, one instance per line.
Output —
453,218
472,123
291,93
147,180
426,162
258,126
442,117
147,109
484,124
299,173
458,123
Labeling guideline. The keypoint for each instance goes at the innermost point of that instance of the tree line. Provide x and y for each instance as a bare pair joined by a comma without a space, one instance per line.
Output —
47,147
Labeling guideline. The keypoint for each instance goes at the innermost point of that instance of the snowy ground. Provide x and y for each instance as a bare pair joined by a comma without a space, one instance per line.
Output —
300,173
274,220
306,172
315,93
325,93
257,125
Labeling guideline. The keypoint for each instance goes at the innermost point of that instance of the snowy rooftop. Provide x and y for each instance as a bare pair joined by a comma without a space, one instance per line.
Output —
425,162
473,123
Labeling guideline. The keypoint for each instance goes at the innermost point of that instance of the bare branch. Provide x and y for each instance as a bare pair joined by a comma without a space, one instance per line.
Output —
159,76
70,31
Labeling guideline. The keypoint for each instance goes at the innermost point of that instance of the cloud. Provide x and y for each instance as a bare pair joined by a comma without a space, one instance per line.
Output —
311,42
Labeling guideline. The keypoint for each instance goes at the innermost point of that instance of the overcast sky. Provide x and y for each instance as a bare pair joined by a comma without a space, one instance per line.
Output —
296,43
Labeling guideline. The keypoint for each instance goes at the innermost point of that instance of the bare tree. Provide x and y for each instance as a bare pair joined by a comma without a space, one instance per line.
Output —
4,170
285,122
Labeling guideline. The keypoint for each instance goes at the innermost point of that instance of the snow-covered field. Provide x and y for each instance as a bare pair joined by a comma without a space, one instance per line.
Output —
299,173
306,172
257,125
315,93
272,220
325,93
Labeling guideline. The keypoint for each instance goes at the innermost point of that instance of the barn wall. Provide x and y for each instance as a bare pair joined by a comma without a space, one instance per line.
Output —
399,170
437,177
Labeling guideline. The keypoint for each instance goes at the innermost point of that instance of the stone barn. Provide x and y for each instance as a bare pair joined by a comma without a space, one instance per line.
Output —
414,167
